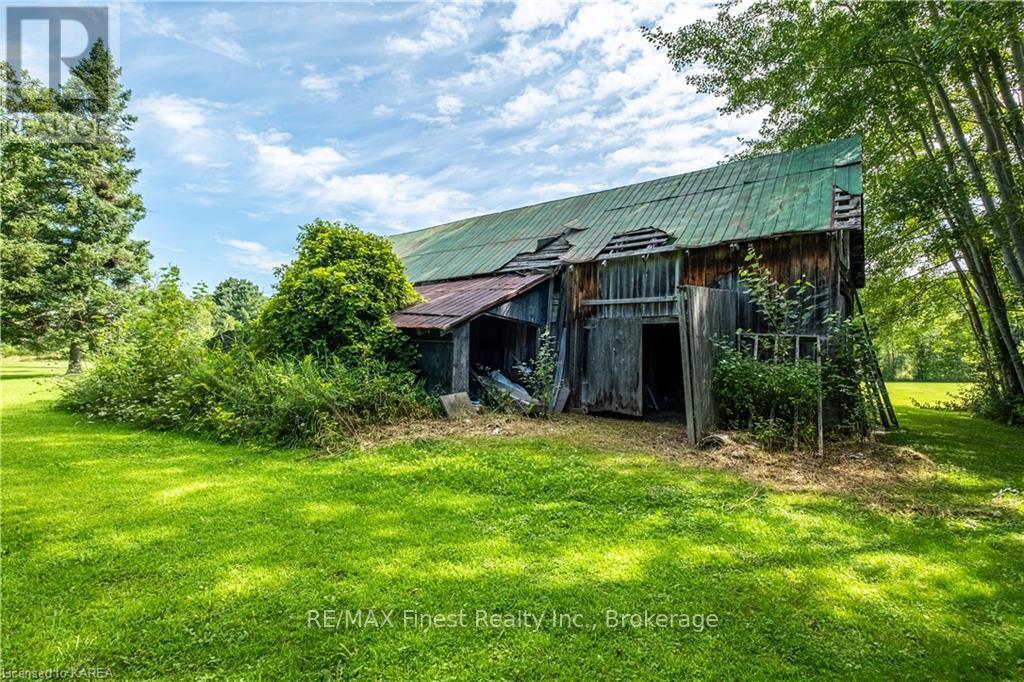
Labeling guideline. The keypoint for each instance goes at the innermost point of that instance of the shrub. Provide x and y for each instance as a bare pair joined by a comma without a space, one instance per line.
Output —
775,400
777,397
538,373
144,357
237,396
158,369
983,400
337,297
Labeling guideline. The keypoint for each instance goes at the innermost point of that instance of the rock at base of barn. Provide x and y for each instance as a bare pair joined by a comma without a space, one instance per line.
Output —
458,405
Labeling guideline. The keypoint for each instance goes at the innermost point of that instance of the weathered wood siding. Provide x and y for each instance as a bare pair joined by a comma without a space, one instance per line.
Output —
531,307
609,286
613,289
460,358
435,360
707,316
818,256
613,378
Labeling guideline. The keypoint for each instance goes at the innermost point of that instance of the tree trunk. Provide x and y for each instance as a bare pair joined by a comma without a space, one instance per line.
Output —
1015,124
979,264
999,158
977,326
1017,50
1013,265
75,359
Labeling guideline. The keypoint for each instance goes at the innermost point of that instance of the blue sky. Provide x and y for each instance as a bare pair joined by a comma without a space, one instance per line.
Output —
256,118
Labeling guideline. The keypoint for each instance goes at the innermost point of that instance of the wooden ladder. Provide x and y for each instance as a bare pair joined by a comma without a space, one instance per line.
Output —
876,384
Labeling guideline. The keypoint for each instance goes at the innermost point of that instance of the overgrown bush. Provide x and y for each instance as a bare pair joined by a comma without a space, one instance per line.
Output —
774,400
337,297
539,373
142,360
237,396
775,396
158,368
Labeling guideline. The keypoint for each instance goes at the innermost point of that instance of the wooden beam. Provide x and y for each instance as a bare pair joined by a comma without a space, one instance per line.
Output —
460,359
627,301
684,350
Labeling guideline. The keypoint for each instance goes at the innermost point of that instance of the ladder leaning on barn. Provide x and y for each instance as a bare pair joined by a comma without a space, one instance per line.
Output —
877,384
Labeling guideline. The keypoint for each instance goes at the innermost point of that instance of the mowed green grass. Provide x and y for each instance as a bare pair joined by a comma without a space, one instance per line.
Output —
165,557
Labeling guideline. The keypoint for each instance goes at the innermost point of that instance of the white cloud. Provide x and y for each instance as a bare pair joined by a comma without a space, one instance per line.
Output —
447,25
399,201
192,138
165,27
253,256
420,117
675,149
180,114
449,105
279,167
327,86
321,85
572,85
382,110
526,105
530,14
212,31
308,178
516,60
554,190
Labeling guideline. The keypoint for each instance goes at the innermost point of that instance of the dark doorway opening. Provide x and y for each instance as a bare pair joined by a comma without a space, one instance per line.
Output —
662,371
497,343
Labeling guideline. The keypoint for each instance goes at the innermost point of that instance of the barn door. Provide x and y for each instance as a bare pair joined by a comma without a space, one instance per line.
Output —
614,372
704,315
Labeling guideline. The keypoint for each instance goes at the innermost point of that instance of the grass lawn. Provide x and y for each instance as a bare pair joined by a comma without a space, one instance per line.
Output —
160,556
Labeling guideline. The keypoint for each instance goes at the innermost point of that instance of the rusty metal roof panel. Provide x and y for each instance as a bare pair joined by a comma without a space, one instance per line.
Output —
448,304
743,200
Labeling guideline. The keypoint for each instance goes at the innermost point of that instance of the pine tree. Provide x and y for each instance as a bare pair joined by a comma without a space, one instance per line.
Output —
69,209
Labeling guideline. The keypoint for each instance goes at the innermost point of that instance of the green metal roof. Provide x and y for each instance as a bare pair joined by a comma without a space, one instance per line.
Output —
781,193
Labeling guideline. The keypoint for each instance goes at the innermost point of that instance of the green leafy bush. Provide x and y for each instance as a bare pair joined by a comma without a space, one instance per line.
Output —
337,297
775,396
774,400
983,400
538,373
158,369
144,358
237,396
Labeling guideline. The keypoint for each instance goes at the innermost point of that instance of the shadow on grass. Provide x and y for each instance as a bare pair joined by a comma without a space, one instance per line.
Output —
159,555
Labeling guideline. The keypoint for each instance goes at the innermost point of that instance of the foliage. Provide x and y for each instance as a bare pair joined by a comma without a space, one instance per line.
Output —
236,396
70,263
934,89
337,297
538,373
776,400
979,399
239,302
157,368
144,358
772,393
786,308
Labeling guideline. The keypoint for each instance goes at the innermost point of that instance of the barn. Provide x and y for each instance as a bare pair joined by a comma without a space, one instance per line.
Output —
634,282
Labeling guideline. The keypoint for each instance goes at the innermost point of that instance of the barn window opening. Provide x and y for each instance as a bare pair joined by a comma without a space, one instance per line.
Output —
662,371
